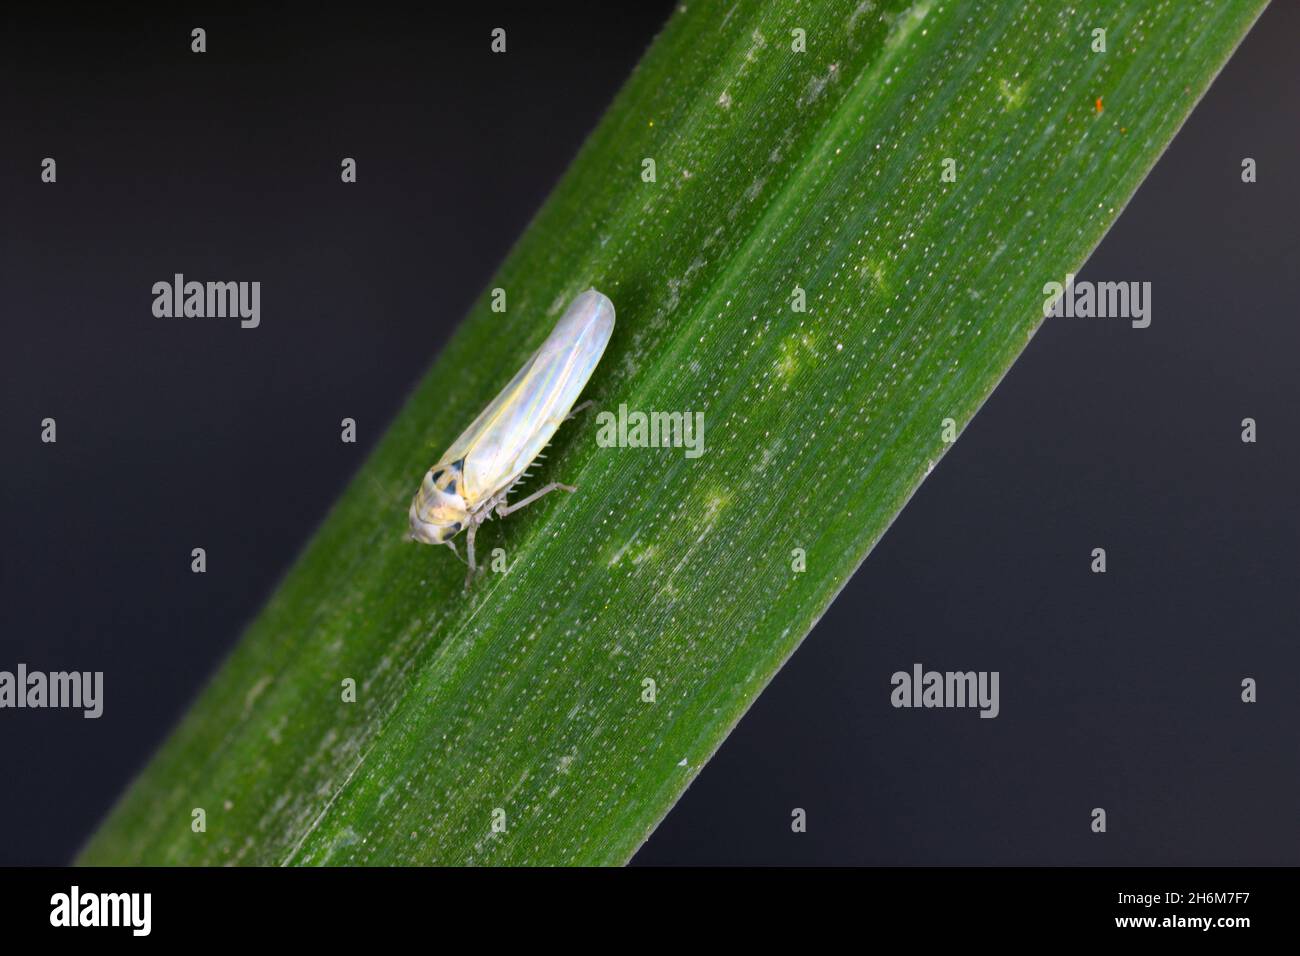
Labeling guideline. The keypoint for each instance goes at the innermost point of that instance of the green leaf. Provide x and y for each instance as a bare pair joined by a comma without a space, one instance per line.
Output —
774,169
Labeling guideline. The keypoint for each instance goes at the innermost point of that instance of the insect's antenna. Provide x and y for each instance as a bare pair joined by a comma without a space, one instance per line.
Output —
451,544
379,489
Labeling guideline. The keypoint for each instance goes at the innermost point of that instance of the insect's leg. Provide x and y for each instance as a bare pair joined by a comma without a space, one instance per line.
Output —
558,422
504,509
583,407
469,545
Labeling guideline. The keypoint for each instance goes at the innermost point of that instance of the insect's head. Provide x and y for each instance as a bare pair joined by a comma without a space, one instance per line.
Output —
438,512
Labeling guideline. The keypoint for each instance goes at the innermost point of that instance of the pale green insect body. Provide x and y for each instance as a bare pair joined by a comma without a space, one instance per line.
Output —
473,478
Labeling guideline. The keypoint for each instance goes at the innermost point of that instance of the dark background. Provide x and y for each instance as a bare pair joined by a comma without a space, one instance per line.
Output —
1118,690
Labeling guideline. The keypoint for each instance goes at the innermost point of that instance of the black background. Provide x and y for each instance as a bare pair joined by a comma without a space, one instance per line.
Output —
1118,690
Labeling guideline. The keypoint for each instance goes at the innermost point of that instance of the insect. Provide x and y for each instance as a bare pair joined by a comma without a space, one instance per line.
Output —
473,478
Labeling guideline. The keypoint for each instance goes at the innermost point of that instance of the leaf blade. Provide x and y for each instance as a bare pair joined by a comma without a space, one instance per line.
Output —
774,169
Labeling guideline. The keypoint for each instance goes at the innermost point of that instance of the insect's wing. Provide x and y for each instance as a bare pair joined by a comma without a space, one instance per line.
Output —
510,432
467,438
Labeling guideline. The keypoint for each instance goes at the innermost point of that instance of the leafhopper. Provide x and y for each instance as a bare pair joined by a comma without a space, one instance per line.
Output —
473,479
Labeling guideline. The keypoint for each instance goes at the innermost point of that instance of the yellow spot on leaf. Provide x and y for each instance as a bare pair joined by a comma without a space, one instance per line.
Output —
1012,94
